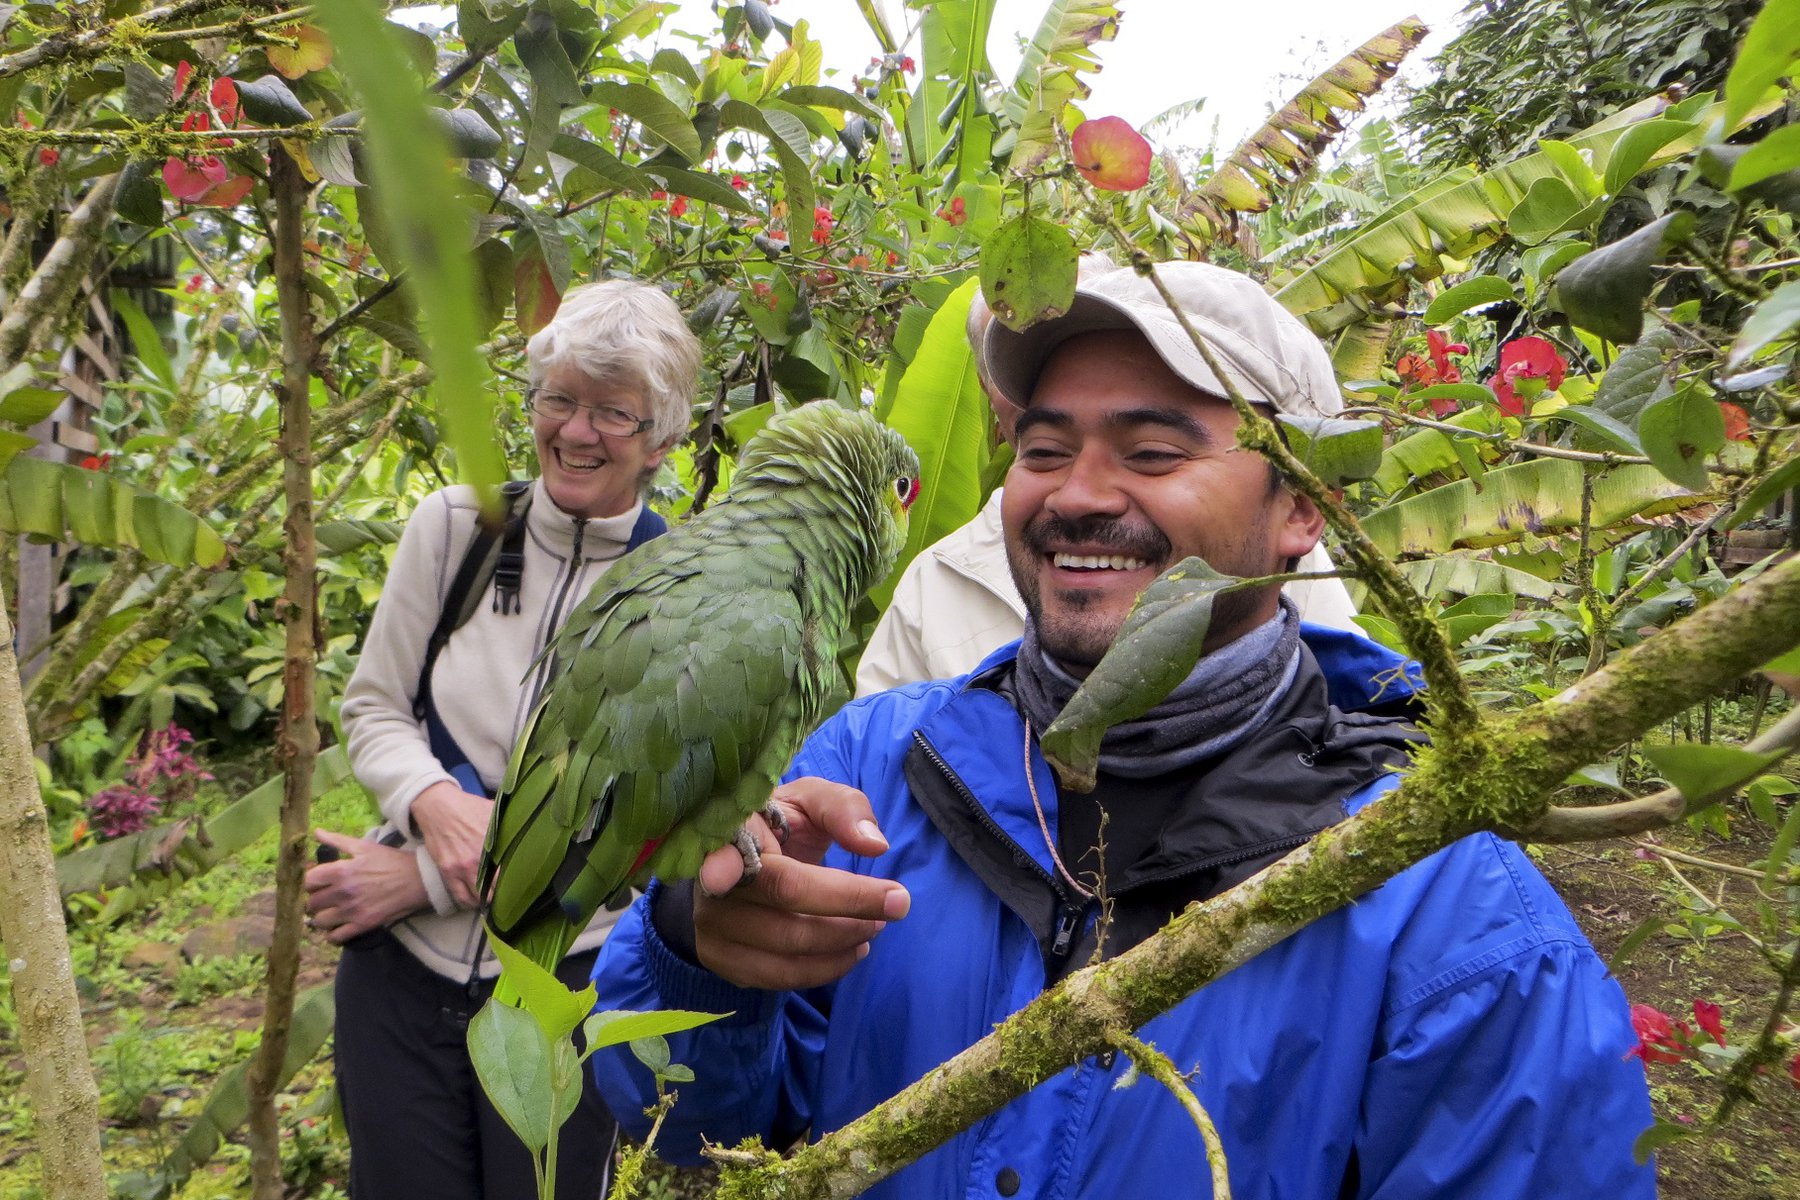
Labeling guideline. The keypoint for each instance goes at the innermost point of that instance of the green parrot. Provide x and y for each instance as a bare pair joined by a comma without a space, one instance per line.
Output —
688,677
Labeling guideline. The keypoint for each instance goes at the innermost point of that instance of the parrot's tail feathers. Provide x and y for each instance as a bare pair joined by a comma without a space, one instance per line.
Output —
644,854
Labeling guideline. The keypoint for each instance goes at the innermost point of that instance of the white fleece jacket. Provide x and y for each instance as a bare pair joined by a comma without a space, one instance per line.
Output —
478,684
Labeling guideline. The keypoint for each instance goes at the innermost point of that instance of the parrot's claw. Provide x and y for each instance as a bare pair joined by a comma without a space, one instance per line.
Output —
745,841
778,822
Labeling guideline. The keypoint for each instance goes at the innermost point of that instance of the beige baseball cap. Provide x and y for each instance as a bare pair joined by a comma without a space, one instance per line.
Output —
1268,352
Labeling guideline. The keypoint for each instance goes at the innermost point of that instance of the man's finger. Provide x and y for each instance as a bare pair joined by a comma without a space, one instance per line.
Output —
794,886
842,812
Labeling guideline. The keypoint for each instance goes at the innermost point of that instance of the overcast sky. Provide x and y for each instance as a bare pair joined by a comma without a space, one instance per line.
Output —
1242,57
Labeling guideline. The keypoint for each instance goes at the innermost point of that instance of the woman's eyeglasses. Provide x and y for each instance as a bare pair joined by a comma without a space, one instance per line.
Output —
603,417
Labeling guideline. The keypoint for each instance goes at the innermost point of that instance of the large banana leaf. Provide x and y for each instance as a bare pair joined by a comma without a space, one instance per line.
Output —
1469,573
66,503
228,1104
941,411
1049,77
1285,148
142,866
1505,506
1464,211
1427,451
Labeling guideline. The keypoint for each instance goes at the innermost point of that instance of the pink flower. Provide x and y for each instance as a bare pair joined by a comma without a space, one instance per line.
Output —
224,99
1529,367
1111,155
184,71
1706,1016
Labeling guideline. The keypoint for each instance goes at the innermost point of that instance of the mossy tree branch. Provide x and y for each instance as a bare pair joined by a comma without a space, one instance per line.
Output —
43,304
1498,775
1156,1065
112,39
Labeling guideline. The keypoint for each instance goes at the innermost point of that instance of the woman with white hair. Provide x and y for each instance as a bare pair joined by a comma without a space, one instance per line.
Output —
430,717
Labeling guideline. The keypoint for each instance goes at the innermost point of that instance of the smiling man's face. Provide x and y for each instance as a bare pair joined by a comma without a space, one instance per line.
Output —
1122,470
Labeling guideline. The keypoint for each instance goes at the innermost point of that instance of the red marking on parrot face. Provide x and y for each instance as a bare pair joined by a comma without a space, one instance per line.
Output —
908,491
644,854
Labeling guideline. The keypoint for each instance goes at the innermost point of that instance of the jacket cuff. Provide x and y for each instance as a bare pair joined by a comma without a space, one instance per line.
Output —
442,903
681,983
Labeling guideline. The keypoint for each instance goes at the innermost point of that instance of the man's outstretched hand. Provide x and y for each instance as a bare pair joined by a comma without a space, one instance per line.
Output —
797,924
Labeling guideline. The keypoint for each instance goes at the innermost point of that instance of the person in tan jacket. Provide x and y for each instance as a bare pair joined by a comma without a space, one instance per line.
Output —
612,379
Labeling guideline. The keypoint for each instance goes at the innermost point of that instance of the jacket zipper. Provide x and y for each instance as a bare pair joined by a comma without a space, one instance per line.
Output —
1069,911
562,594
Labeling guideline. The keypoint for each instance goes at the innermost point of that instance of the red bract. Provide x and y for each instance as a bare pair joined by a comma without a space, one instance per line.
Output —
205,180
184,71
678,206
1656,1035
1737,421
95,462
1706,1015
224,99
49,157
956,212
659,195
739,183
1529,367
1111,155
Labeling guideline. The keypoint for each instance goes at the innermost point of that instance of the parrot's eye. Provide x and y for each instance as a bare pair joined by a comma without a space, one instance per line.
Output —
907,490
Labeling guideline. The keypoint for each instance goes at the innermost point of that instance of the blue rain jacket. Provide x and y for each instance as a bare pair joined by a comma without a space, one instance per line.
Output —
1450,1034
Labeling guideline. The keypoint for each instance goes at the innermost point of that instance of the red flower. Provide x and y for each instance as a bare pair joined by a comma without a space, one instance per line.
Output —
96,462
739,183
822,223
1111,155
1737,421
893,259
1706,1015
224,99
49,157
1529,367
194,282
1656,1035
184,70
908,65
956,212
859,262
678,206
1441,349
659,195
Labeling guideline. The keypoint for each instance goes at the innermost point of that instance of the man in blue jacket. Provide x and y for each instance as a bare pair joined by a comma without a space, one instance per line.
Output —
1451,1034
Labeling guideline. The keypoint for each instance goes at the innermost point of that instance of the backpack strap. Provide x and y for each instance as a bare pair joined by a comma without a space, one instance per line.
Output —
648,525
482,561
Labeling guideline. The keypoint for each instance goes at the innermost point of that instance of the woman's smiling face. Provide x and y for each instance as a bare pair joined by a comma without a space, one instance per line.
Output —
589,473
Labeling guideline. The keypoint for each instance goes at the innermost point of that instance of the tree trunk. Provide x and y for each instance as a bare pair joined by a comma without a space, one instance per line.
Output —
298,744
43,303
58,1076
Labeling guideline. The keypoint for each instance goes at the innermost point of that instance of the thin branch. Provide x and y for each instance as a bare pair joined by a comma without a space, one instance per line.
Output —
1694,860
1156,1064
105,40
1604,458
42,304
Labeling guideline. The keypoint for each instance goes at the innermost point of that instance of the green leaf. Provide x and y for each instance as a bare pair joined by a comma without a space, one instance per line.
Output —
1637,147
469,135
1338,451
65,503
789,140
146,341
1425,452
834,98
511,1055
1646,929
1471,293
1783,479
140,195
1765,56
1604,290
654,111
557,1009
1705,772
541,50
1155,649
29,405
1574,168
1774,317
1550,207
1601,775
1761,798
1781,850
427,221
941,411
1679,431
614,1027
601,163
1609,429
269,101
1787,664
341,537
1028,271
11,445
1636,377
1474,615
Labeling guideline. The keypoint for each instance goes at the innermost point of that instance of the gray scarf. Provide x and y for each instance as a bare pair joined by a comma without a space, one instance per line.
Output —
1227,698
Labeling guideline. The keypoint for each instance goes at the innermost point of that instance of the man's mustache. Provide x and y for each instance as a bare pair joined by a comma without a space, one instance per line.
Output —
1145,542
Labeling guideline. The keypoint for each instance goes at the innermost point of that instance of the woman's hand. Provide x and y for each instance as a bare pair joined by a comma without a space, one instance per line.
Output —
454,826
370,887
